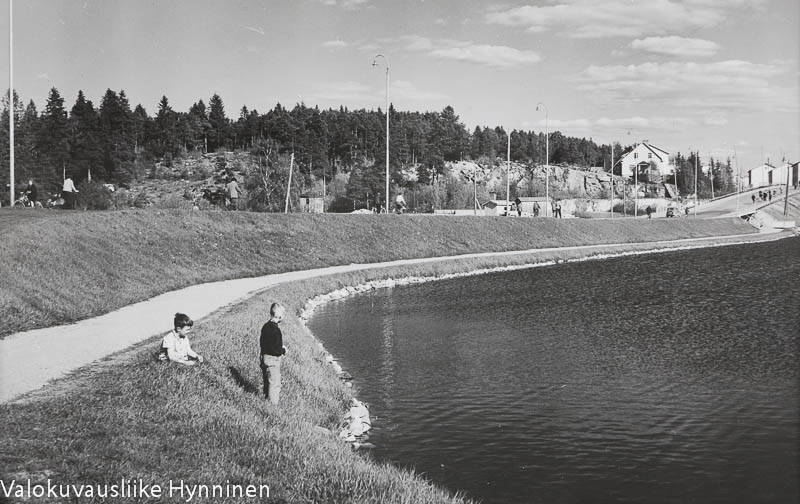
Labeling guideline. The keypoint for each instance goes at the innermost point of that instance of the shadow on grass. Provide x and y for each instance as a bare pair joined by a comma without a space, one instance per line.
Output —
243,382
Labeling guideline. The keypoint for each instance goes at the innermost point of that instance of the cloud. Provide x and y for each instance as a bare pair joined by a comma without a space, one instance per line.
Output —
722,85
335,44
617,18
346,4
356,94
342,92
43,76
490,55
617,127
406,91
467,51
416,43
676,46
715,120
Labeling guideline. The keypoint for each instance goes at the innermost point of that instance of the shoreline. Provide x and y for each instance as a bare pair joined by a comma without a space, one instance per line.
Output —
357,419
114,409
141,321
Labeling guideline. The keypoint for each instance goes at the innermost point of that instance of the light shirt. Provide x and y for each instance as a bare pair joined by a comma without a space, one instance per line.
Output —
69,186
233,189
178,349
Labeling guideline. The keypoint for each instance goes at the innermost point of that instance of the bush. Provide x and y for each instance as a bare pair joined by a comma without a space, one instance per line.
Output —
174,201
93,196
141,200
122,198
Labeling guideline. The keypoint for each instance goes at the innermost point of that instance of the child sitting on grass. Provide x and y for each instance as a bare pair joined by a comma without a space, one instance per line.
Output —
175,346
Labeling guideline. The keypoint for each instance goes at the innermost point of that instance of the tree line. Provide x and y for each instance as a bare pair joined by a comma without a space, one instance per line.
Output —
118,143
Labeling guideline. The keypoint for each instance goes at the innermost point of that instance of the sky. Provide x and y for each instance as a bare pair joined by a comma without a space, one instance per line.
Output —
716,76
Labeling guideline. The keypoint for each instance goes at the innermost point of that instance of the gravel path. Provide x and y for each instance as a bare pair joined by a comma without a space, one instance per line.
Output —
30,359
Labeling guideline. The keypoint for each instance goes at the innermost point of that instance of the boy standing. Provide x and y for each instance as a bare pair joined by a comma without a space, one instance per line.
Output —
271,351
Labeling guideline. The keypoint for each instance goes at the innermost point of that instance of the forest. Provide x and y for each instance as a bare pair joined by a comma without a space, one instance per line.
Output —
120,144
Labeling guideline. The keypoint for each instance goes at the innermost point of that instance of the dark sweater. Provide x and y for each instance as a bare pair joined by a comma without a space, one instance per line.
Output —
272,340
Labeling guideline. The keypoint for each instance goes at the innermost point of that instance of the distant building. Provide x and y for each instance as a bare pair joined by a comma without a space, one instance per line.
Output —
312,204
760,175
528,201
496,207
651,160
777,175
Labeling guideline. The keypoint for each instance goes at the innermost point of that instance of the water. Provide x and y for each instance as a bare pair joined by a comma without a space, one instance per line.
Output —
661,378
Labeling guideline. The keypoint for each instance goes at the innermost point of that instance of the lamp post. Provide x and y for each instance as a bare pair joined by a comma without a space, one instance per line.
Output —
375,63
696,199
11,101
508,176
546,158
611,175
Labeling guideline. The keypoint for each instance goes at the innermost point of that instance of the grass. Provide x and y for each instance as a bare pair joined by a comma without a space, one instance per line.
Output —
61,267
135,418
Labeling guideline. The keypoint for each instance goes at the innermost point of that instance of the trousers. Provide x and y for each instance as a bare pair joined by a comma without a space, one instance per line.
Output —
271,372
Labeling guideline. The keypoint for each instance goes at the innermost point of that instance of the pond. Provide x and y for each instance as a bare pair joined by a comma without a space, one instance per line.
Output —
669,377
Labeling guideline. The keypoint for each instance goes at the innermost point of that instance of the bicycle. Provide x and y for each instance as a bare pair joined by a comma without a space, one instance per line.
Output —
24,201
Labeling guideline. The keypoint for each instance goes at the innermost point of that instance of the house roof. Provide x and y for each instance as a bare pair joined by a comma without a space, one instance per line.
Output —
659,153
495,203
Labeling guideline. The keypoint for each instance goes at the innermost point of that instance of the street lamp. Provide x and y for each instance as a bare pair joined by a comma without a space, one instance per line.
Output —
546,158
375,63
11,101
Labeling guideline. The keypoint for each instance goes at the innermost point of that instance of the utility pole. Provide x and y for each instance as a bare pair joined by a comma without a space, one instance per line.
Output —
289,185
696,198
738,180
546,158
11,99
636,191
508,176
711,175
374,63
611,173
786,196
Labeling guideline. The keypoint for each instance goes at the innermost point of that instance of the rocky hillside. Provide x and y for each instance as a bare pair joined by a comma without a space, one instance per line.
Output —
564,181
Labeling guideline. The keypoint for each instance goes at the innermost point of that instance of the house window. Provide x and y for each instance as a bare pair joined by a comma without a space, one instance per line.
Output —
635,155
649,155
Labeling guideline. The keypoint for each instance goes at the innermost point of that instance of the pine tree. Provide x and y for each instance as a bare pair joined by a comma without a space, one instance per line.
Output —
85,149
54,134
218,133
166,128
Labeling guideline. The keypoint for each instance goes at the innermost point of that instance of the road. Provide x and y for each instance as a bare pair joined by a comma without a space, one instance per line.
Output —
741,204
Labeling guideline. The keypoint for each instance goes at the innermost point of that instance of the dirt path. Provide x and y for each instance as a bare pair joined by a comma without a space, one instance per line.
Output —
30,359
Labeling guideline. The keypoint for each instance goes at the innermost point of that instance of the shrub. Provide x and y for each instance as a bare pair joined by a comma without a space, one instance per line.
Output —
93,196
173,201
122,198
141,200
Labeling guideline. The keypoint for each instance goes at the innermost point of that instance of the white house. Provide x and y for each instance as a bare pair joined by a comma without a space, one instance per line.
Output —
496,207
643,155
760,175
778,175
526,204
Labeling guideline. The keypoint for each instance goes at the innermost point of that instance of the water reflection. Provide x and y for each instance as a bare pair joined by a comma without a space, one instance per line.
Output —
661,378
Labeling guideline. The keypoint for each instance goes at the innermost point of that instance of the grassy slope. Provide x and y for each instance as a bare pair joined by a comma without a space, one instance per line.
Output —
136,418
64,266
